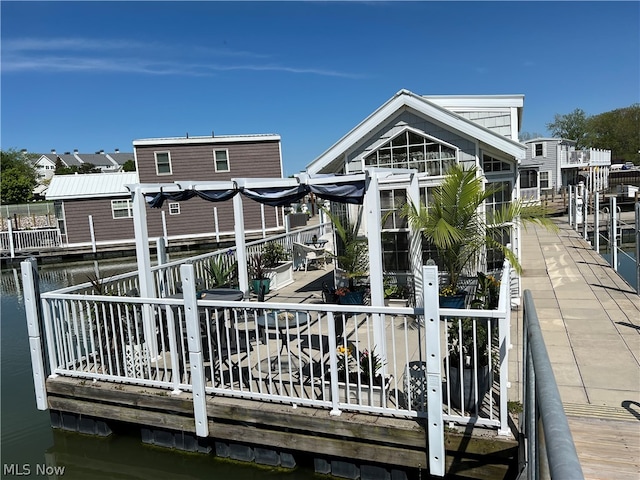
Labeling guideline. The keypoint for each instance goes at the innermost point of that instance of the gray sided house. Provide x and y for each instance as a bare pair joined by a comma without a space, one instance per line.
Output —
551,164
106,199
428,134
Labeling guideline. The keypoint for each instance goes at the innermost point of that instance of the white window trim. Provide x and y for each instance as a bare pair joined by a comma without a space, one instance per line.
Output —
129,209
172,208
155,156
548,172
215,162
544,150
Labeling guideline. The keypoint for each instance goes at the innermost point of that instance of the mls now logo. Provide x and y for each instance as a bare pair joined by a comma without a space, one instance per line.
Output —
18,470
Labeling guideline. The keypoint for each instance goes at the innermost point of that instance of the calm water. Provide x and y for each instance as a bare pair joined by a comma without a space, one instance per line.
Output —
27,436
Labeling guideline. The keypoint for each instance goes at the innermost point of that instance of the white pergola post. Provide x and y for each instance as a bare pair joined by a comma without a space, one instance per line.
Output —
415,241
216,223
145,278
241,249
93,234
374,227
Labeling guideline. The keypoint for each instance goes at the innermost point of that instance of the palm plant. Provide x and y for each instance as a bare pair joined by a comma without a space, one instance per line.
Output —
354,255
459,229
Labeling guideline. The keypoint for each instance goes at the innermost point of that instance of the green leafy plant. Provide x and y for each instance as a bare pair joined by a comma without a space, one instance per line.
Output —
370,365
456,225
222,272
353,256
257,267
273,254
461,342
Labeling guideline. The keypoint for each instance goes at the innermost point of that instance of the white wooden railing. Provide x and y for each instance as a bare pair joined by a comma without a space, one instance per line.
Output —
319,358
167,275
13,241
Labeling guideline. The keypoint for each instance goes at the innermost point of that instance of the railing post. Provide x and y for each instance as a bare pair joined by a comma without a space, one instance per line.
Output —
435,426
504,339
596,222
29,269
570,209
216,224
194,342
613,232
637,215
333,365
12,248
585,208
93,234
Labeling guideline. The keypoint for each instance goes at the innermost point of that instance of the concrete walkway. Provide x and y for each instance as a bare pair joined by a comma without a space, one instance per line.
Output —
590,320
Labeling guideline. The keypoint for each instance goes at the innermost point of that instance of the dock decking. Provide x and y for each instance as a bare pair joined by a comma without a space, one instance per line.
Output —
590,320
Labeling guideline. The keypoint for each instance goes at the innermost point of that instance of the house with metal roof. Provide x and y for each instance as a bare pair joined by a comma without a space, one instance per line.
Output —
97,207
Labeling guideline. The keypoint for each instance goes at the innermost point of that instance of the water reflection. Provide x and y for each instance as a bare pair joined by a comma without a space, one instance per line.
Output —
26,434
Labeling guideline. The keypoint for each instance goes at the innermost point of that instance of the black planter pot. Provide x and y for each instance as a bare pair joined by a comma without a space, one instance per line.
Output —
484,383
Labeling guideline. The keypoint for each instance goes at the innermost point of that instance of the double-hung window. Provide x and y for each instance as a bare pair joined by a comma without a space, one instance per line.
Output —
121,208
545,178
174,208
221,160
539,149
163,163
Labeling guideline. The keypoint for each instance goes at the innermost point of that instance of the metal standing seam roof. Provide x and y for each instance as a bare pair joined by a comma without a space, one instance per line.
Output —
92,185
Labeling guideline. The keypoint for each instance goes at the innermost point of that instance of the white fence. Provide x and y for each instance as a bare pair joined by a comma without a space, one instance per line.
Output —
13,241
337,357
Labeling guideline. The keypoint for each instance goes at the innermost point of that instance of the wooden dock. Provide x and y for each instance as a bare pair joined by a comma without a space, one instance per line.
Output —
590,320
273,434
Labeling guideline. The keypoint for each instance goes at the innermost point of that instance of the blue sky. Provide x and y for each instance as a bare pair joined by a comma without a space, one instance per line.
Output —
97,75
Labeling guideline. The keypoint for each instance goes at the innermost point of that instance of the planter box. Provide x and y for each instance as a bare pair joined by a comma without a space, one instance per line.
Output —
280,276
364,395
396,302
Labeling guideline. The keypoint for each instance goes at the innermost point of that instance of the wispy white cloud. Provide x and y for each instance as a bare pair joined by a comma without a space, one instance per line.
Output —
94,56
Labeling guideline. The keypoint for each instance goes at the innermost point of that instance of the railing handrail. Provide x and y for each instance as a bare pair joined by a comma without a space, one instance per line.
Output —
193,259
541,389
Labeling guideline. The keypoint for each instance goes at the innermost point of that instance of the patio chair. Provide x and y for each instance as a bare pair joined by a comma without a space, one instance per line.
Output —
306,255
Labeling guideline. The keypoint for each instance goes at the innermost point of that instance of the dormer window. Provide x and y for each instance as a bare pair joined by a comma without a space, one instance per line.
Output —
540,149
412,150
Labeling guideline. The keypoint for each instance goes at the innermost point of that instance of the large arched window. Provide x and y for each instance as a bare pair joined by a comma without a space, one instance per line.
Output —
412,150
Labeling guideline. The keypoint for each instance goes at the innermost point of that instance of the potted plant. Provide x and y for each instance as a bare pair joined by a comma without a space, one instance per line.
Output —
353,253
278,267
257,269
456,225
395,295
358,379
222,272
470,344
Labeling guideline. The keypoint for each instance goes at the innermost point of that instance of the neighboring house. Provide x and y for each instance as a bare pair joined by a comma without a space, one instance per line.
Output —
553,163
167,160
106,162
98,201
429,133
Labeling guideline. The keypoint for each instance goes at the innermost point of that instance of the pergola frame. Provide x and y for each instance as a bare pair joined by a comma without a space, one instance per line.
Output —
143,193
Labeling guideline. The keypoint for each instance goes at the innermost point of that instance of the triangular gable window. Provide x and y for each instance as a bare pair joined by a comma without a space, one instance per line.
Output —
412,150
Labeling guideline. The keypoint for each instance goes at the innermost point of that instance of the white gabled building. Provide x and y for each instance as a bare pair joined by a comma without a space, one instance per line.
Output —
428,134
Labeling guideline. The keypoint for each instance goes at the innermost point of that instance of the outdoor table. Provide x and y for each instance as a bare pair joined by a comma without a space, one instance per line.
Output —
318,243
282,322
226,294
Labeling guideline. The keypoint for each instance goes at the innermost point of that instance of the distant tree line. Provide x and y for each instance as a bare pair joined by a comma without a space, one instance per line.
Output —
617,130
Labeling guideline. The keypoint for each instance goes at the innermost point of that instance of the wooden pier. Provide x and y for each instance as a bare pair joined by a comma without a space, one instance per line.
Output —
275,434
590,320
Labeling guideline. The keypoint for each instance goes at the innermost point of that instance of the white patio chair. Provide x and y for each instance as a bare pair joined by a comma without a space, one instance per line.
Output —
305,255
